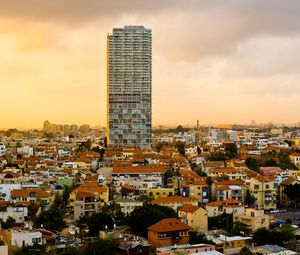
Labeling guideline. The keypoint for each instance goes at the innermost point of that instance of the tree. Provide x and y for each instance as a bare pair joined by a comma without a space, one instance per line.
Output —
293,192
179,129
252,163
159,145
180,147
102,152
231,150
263,236
66,194
218,156
35,249
223,221
284,234
101,246
209,182
199,150
114,210
97,222
250,200
199,237
240,228
287,232
245,251
270,162
10,222
32,211
145,216
51,219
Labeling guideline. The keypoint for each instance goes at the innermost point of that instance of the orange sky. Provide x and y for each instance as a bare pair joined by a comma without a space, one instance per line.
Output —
217,62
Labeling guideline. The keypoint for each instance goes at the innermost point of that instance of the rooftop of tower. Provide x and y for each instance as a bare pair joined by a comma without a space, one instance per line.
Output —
131,28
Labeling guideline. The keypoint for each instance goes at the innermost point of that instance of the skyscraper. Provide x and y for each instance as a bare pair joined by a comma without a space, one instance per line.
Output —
129,86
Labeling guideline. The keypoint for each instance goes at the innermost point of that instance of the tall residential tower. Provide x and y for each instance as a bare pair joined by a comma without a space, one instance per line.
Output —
129,82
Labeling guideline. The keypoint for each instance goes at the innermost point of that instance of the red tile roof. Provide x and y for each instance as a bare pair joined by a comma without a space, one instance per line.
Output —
138,169
170,200
29,193
169,225
189,208
231,182
288,181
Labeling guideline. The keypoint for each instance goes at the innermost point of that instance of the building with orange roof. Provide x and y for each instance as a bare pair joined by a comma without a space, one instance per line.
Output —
175,202
232,173
88,198
30,195
168,232
212,164
194,216
270,170
189,176
226,189
141,173
295,158
228,206
264,189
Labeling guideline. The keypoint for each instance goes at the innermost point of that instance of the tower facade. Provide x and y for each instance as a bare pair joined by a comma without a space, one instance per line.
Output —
129,86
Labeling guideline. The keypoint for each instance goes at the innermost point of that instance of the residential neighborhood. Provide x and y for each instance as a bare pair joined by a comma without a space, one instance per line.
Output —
223,192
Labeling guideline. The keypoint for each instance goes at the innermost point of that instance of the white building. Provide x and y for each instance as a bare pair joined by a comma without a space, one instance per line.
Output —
18,213
2,149
25,237
6,188
128,205
26,151
232,135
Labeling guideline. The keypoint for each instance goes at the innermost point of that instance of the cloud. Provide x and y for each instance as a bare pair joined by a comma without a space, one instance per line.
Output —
217,61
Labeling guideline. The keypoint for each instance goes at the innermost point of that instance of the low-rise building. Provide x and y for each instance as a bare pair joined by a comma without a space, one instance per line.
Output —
88,199
254,219
230,245
31,195
194,216
21,237
18,212
175,202
295,158
128,205
160,192
168,232
230,205
272,250
227,189
198,249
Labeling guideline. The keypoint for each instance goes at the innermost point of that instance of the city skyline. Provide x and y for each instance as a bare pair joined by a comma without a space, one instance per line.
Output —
214,62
